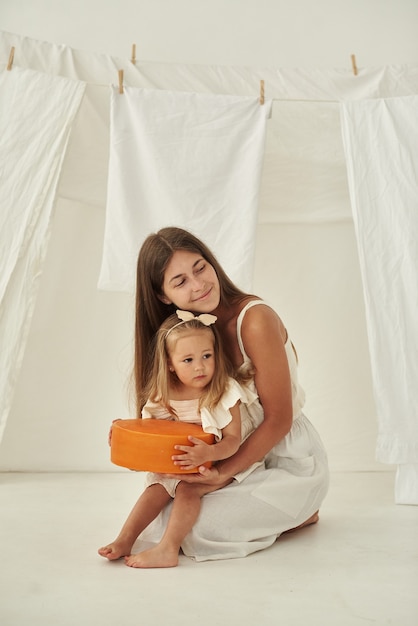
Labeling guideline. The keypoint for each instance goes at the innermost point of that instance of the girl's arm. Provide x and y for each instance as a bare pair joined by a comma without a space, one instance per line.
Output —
200,452
264,337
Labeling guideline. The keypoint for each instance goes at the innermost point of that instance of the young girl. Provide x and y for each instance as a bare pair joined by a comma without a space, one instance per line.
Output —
190,381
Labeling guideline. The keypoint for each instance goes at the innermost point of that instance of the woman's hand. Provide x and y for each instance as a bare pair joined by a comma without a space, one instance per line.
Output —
109,436
194,455
206,476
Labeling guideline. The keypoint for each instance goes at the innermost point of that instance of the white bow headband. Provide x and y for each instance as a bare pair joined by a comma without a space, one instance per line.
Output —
185,316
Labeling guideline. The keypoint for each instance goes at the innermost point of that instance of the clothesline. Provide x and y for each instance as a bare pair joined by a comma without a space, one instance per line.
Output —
262,93
262,99
262,83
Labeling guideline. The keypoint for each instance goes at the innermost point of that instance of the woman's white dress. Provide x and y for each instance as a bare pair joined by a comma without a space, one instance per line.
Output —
250,513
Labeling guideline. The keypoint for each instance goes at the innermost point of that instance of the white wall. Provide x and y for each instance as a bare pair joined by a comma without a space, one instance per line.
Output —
77,362
278,33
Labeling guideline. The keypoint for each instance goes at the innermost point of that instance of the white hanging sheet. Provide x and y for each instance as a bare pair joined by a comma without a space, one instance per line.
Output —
182,159
304,181
304,175
381,146
36,113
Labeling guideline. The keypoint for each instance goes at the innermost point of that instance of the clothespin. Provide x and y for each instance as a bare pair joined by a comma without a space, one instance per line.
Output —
11,57
120,73
353,63
261,92
133,59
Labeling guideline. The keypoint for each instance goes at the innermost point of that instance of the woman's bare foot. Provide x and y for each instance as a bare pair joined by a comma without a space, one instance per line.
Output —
155,557
312,520
116,550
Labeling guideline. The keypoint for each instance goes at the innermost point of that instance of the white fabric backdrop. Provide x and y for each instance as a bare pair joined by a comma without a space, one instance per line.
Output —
78,357
183,159
36,114
381,144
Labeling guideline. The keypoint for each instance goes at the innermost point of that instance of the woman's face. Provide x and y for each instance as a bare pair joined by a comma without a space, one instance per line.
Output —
191,283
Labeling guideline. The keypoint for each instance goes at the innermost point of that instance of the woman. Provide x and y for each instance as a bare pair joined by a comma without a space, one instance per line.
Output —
177,271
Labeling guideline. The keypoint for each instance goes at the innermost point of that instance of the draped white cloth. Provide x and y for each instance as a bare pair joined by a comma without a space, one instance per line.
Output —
381,147
183,159
305,254
36,113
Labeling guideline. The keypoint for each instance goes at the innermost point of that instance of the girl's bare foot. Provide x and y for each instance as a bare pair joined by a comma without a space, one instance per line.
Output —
155,557
116,550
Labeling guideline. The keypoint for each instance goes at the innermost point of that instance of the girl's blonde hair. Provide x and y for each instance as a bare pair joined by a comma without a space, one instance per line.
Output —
155,254
162,379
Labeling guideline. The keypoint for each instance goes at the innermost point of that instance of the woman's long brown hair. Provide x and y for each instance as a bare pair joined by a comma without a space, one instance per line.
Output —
154,256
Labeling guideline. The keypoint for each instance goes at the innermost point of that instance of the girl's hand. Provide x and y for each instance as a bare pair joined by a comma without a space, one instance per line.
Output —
193,455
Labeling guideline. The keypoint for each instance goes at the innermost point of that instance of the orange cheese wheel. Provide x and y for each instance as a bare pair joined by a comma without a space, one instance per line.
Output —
148,444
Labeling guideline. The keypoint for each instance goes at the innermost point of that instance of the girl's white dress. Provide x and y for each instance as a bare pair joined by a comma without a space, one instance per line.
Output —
212,421
286,490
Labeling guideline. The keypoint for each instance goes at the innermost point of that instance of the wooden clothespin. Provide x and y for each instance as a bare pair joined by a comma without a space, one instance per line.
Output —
133,59
353,63
120,73
11,57
261,92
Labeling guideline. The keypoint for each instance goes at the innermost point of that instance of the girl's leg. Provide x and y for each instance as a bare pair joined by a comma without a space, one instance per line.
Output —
149,505
186,508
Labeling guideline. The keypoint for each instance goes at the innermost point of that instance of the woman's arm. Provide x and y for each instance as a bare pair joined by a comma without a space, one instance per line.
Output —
200,452
264,338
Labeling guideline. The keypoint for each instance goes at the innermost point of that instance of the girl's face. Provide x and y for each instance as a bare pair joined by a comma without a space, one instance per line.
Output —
191,283
192,358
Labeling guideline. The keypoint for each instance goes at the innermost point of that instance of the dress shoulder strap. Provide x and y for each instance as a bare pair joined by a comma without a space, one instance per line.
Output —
241,316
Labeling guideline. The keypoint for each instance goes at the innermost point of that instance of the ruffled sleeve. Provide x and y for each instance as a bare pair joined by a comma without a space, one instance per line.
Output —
214,420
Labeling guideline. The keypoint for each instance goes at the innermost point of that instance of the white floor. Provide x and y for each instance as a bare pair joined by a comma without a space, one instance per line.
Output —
358,565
